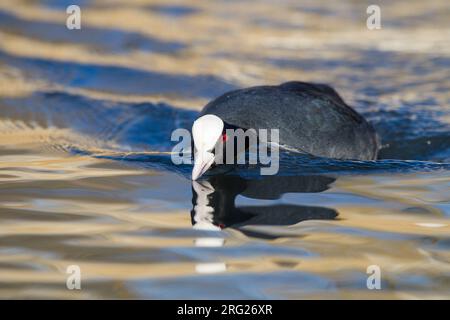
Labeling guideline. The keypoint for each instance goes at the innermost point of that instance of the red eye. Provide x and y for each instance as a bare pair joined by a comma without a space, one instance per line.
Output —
224,137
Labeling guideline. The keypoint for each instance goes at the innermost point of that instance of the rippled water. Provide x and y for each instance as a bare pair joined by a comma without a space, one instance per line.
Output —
86,178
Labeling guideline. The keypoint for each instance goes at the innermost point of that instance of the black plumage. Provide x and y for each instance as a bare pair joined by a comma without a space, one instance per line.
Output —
311,118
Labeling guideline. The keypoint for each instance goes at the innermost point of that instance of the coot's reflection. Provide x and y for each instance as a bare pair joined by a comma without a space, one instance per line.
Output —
214,201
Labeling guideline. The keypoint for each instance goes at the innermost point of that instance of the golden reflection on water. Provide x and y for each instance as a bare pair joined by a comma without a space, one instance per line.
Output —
130,229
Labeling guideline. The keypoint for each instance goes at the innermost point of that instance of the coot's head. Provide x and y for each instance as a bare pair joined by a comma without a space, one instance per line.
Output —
207,132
